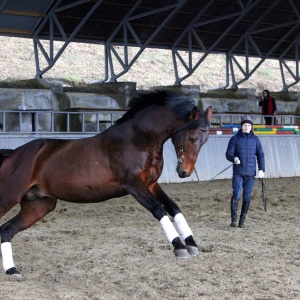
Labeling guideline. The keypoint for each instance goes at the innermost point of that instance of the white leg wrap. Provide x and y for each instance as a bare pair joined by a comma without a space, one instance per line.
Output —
169,229
7,257
182,226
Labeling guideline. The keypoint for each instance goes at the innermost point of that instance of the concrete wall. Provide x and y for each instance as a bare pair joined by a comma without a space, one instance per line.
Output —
246,101
25,99
53,94
281,154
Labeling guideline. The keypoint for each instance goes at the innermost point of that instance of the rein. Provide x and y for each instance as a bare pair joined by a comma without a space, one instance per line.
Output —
219,173
261,180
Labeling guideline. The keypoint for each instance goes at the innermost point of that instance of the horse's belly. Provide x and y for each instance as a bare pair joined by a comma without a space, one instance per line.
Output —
82,189
89,195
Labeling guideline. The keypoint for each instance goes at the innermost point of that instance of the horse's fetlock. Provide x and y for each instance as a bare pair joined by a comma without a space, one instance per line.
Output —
178,244
12,271
189,241
191,246
179,249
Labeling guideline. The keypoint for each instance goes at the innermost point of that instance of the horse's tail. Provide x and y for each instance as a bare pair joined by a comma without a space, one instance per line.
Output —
3,154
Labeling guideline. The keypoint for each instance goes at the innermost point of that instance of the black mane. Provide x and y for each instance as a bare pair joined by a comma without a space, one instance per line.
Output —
180,105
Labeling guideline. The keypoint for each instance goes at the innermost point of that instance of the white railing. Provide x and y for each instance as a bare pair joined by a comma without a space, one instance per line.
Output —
95,121
48,121
218,120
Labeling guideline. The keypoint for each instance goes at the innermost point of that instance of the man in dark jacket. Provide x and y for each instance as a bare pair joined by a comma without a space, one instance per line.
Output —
243,150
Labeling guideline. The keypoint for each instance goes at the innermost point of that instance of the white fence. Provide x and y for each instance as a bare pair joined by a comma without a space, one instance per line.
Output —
281,154
93,121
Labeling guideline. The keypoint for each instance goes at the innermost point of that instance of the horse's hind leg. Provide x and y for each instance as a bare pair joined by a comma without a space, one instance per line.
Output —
31,211
173,210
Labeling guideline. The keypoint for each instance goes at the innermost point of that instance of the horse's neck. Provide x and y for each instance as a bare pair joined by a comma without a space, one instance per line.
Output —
158,121
153,130
157,129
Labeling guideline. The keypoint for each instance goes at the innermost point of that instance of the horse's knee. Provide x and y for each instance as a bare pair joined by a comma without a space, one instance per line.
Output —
7,232
158,211
36,208
172,209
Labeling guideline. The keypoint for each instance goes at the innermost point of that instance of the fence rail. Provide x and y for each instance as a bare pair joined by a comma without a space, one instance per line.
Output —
219,120
48,121
56,122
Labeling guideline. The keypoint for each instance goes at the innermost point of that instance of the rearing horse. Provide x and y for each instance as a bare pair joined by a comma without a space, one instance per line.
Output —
127,158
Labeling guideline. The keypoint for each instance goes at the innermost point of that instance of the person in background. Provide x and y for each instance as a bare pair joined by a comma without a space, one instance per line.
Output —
244,149
268,107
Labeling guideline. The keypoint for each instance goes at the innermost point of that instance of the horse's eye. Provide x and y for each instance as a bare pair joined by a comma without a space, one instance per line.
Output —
192,140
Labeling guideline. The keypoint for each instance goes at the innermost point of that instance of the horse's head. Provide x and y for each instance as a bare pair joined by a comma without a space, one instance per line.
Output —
168,114
189,138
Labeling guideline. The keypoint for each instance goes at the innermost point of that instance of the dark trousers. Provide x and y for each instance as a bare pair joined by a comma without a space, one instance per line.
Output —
240,183
269,120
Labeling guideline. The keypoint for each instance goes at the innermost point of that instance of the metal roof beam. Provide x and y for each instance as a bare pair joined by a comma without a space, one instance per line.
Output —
264,57
294,74
245,37
52,18
126,64
193,24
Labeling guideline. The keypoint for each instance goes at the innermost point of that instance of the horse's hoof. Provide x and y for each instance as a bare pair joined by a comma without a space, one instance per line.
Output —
16,277
192,250
181,253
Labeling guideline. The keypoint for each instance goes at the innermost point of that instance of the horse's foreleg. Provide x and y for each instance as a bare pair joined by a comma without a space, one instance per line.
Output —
31,212
186,234
179,249
172,208
149,201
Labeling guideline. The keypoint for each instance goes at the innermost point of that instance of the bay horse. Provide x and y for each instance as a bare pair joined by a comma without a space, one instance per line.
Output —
127,158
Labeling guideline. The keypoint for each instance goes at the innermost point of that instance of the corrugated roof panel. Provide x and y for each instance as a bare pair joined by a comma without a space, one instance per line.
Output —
14,22
21,18
40,6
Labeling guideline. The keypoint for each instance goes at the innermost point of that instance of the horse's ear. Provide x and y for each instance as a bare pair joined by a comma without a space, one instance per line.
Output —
194,115
208,112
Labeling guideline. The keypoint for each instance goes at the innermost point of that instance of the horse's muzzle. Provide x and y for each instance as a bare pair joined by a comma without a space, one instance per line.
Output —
181,173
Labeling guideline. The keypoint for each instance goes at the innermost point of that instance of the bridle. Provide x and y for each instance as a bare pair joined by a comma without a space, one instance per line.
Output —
188,127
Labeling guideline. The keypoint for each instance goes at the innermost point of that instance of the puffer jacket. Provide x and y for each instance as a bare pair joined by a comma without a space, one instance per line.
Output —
247,147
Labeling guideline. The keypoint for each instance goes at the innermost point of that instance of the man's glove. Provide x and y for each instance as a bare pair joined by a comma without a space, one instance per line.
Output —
236,160
261,174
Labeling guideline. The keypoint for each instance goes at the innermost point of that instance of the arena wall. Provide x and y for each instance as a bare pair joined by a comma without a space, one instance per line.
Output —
281,154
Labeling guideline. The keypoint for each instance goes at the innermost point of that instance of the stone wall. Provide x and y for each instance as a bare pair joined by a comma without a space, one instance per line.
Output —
53,95
246,101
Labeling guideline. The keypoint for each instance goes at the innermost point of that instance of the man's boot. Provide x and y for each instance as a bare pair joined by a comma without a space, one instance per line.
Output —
244,211
234,208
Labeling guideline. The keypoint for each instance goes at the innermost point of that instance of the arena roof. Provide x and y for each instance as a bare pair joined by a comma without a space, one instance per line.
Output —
251,28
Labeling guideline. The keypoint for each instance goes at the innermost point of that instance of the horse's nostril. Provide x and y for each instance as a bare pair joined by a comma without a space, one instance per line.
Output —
184,174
